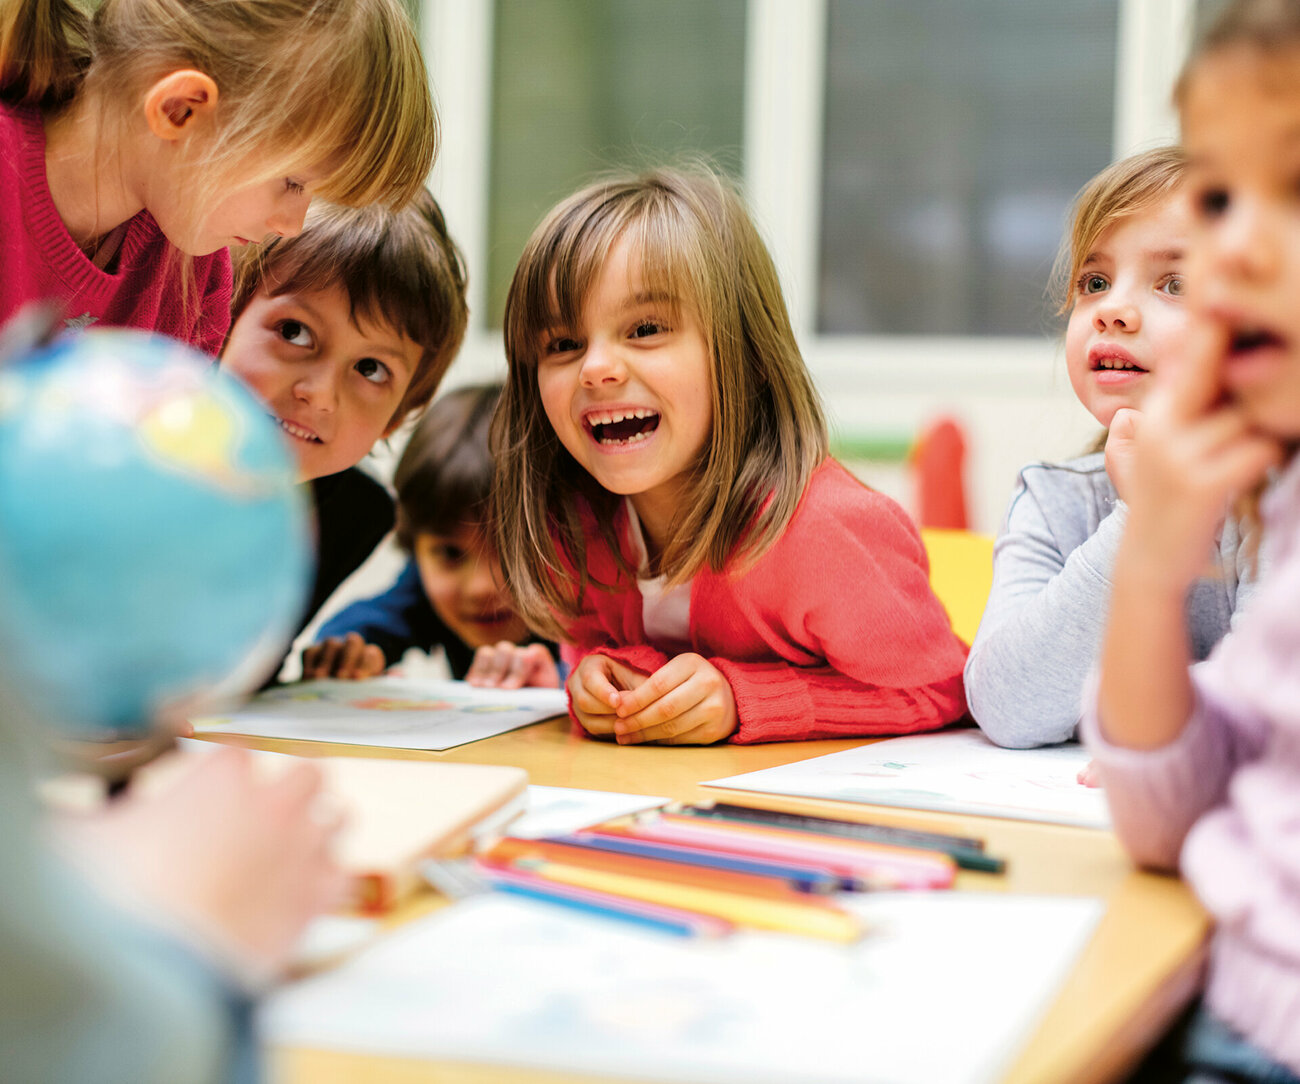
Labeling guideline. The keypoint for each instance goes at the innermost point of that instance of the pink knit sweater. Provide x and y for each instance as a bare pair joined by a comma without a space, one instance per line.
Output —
39,259
833,632
1223,799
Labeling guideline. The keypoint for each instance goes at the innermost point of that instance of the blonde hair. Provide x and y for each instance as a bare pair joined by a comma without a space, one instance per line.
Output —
1123,189
336,84
696,245
401,267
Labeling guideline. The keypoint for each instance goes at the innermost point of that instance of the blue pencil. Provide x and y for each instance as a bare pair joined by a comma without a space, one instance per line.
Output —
805,878
683,928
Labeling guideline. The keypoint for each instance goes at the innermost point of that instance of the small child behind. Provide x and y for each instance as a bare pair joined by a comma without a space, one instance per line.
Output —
345,331
450,594
665,503
1201,764
1042,626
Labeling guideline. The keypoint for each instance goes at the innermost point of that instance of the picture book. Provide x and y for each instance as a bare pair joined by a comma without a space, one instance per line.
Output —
954,771
389,712
509,981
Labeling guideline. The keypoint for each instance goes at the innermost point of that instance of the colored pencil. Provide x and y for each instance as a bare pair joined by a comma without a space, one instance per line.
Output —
652,916
966,852
806,877
812,917
526,853
875,863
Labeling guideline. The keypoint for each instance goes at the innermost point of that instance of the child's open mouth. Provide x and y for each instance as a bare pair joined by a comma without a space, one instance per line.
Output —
621,427
1248,341
298,432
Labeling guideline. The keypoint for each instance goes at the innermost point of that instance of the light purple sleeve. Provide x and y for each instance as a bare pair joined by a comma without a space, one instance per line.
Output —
1156,795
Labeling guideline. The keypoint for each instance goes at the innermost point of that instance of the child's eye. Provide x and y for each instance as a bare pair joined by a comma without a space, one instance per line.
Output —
645,328
296,187
373,370
562,344
1212,202
1174,285
446,554
296,332
1092,284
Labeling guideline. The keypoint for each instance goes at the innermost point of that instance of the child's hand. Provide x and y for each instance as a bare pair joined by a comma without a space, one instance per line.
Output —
349,657
1088,776
511,666
593,685
235,857
687,701
1193,454
1120,442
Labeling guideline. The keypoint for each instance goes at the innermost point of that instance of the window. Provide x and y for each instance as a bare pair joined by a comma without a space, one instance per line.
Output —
955,137
581,86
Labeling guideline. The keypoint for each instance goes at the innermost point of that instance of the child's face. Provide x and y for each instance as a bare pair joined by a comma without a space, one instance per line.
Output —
1129,316
248,214
1241,128
462,579
629,392
332,384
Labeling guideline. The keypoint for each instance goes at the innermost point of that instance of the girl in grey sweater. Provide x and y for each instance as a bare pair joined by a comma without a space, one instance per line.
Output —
1042,627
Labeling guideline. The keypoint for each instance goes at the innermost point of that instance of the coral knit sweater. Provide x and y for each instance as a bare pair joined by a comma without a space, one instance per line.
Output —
39,259
834,632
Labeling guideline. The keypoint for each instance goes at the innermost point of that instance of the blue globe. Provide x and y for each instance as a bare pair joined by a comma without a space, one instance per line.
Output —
154,545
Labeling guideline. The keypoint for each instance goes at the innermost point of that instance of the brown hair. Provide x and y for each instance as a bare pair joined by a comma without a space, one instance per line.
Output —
696,245
398,266
302,83
1263,25
1121,190
444,478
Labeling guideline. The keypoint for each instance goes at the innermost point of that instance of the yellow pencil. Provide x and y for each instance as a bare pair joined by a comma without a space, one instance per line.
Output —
814,919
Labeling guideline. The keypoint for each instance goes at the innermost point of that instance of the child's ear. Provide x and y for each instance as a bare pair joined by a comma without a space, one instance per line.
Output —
180,103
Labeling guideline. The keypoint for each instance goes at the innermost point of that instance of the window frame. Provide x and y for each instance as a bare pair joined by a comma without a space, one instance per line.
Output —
785,61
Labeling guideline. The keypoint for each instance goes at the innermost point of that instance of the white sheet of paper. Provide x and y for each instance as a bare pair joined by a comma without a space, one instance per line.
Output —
393,712
557,811
959,771
518,982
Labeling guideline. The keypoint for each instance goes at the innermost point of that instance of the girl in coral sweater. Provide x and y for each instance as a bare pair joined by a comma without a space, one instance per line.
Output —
665,503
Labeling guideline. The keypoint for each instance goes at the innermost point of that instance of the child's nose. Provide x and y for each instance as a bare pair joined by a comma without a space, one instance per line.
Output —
1117,313
318,387
481,584
602,363
289,216
1245,242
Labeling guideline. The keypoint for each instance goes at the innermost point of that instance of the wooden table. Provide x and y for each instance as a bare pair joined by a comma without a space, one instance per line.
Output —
1142,966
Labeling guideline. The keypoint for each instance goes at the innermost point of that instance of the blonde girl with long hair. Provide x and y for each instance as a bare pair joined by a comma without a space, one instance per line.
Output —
139,142
664,499
1122,284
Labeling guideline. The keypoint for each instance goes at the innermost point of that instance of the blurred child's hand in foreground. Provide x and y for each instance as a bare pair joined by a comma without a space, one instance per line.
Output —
1194,453
349,657
687,701
241,860
1088,775
1120,442
509,665
593,686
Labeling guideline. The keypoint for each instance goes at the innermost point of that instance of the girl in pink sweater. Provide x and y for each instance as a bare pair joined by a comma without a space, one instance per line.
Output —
138,143
1202,764
665,503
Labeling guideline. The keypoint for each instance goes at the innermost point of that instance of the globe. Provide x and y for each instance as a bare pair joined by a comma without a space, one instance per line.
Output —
154,545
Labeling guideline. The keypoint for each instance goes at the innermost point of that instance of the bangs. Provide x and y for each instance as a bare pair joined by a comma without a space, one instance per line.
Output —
566,256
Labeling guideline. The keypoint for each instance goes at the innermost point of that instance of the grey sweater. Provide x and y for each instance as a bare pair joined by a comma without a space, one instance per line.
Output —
1042,627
